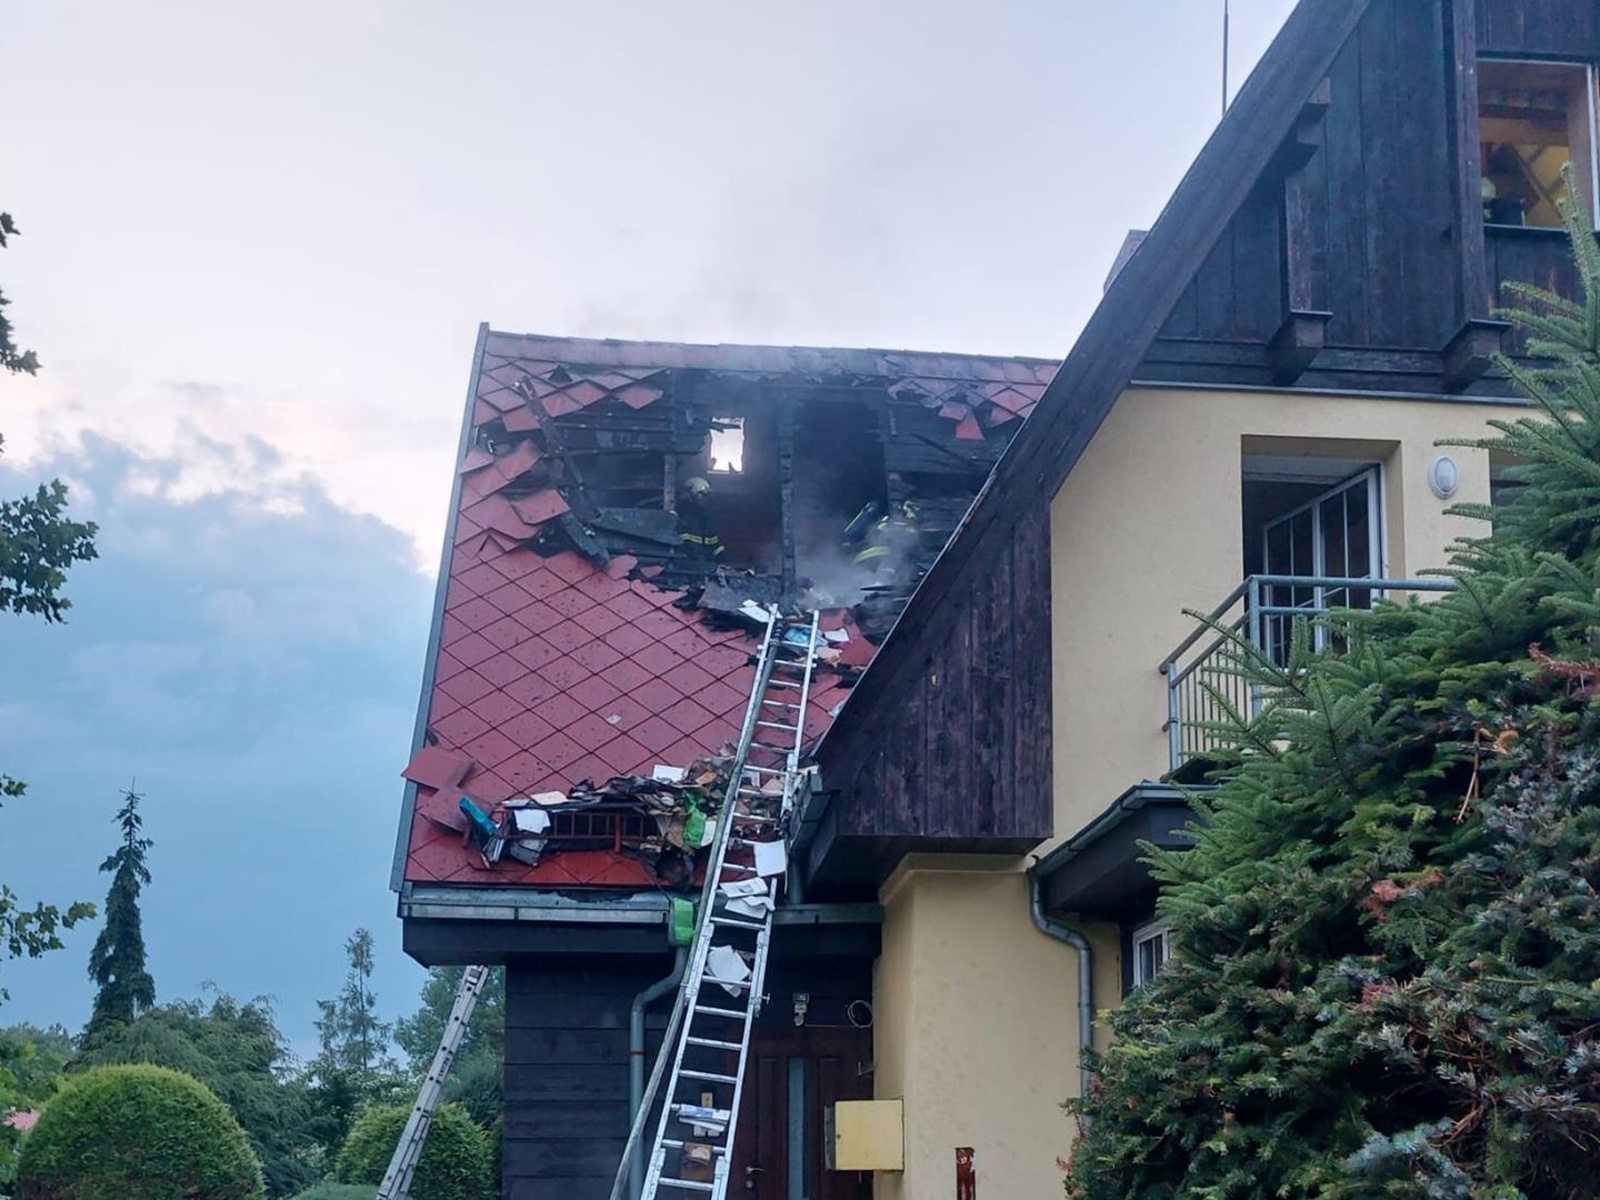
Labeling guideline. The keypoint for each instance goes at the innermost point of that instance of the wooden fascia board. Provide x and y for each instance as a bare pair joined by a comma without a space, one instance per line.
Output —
1239,152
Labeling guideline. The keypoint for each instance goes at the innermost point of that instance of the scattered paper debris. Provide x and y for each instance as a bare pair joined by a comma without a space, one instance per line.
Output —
728,968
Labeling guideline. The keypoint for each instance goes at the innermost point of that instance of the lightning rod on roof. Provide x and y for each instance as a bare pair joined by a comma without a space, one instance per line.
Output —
1224,57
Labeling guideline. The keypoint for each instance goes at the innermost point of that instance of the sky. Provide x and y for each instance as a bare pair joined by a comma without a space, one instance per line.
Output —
256,243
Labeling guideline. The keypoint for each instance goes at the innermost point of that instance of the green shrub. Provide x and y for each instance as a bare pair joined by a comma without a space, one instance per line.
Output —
137,1133
342,1191
455,1162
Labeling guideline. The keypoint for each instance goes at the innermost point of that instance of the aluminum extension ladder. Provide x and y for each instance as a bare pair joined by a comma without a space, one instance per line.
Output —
397,1179
707,1041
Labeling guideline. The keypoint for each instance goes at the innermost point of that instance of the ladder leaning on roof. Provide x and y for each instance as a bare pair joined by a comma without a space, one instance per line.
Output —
707,1041
397,1179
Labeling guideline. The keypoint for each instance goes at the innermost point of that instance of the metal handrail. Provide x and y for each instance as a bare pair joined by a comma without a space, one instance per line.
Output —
1184,737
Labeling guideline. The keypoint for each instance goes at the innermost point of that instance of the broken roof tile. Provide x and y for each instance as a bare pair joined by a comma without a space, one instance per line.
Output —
436,767
585,660
541,506
475,459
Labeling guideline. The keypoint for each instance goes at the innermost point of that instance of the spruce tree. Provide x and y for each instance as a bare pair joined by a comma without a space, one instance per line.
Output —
1386,937
116,962
353,1038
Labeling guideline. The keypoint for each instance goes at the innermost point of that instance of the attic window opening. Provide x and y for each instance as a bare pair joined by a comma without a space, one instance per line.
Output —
727,446
1533,119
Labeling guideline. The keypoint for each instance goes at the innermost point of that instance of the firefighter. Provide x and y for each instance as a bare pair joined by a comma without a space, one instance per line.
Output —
890,541
696,532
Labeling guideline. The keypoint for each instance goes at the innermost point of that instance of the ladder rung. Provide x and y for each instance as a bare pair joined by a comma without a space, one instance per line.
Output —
783,683
688,1185
725,983
676,1144
781,704
708,1076
777,725
735,1013
767,770
738,922
713,1044
769,746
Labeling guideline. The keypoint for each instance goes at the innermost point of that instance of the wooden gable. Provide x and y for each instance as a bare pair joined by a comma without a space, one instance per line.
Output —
1330,235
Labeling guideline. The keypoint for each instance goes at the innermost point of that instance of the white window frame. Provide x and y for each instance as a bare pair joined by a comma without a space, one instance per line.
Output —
1148,932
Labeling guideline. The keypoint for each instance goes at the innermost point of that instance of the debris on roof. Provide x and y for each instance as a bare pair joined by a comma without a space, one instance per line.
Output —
608,570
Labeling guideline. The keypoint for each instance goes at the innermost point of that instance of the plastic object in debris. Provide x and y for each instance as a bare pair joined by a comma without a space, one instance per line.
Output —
530,820
681,929
483,829
713,1119
727,967
753,611
837,636
771,858
663,774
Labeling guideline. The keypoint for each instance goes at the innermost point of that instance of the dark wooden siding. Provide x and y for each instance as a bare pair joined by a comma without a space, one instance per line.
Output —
566,1081
963,753
1554,28
566,1066
1376,212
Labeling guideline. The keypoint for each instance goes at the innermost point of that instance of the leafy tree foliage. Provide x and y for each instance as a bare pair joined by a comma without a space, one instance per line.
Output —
237,1051
37,545
1387,934
37,541
455,1162
137,1133
475,1079
31,1062
116,962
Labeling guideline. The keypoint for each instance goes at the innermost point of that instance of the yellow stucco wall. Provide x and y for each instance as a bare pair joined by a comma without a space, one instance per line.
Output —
1148,524
975,1022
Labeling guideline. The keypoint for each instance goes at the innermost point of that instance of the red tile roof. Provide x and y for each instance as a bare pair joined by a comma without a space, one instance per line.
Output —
553,669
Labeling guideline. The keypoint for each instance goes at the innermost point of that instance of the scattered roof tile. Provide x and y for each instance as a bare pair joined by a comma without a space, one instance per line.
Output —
550,667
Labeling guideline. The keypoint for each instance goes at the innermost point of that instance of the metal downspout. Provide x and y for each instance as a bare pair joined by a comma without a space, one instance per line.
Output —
636,1059
1079,943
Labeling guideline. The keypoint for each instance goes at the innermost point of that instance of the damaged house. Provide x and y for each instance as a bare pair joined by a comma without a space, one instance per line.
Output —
622,516
1249,426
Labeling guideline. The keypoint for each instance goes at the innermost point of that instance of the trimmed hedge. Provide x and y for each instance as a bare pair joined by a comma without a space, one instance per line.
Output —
456,1159
137,1133
339,1191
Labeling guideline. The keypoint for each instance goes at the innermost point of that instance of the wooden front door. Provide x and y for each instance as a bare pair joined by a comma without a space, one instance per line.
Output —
791,1077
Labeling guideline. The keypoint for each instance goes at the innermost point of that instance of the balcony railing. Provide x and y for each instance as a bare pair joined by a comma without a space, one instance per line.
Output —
1203,681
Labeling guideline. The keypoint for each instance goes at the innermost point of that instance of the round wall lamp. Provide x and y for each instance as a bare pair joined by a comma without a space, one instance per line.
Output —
1444,477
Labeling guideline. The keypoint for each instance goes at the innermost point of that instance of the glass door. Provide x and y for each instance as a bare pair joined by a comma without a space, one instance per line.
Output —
1333,536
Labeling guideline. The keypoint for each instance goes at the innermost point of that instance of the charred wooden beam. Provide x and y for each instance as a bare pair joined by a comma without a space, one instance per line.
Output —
1471,352
574,493
1298,341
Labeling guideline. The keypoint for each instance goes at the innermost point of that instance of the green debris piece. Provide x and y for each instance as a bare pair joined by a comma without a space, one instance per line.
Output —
681,930
694,826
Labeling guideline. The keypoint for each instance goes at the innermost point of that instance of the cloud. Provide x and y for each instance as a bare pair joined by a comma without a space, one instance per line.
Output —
252,655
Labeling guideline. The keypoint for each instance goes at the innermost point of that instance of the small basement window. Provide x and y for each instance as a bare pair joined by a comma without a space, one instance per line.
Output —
1152,948
1533,119
726,455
